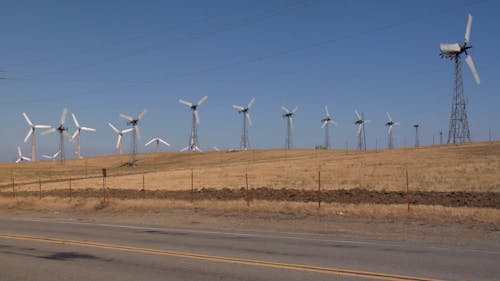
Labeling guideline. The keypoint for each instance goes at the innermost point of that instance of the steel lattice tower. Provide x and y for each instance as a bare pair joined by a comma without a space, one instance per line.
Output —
245,142
133,149
327,137
288,140
417,140
193,140
459,125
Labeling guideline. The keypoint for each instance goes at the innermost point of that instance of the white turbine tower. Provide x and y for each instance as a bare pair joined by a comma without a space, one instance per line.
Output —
325,122
21,158
193,139
31,133
77,133
63,132
289,125
53,157
361,122
119,143
389,124
136,132
459,124
245,142
158,141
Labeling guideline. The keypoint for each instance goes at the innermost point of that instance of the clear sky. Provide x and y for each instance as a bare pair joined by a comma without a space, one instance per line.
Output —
103,58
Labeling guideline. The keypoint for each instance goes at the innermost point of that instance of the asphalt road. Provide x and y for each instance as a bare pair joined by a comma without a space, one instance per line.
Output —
36,249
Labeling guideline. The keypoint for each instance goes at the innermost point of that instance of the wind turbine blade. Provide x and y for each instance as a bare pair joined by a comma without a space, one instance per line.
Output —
472,68
46,156
389,131
55,155
247,115
334,122
26,158
164,142
295,109
124,116
142,114
27,119
63,116
127,130
119,141
42,127
323,125
238,107
185,102
397,123
88,129
202,100
291,121
327,112
49,131
75,134
76,121
19,152
196,116
367,121
285,109
359,128
18,160
30,132
450,48
251,103
467,29
389,116
357,115
150,142
184,149
138,131
114,128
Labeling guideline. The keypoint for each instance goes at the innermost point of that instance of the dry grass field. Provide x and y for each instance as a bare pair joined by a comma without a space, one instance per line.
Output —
470,167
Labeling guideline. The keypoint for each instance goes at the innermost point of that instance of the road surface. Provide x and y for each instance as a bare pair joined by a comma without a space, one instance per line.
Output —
42,249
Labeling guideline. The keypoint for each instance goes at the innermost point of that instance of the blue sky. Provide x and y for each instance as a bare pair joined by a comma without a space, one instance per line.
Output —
103,58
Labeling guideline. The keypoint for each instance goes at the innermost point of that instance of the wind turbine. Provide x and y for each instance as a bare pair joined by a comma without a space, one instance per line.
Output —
119,143
459,124
31,133
193,140
389,124
158,140
21,157
289,125
76,135
417,140
63,131
136,133
361,122
53,157
324,124
245,143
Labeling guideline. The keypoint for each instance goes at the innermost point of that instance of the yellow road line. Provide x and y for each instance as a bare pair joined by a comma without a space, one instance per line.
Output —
297,267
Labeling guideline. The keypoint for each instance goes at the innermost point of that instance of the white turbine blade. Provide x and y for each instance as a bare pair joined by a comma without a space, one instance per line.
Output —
238,107
295,109
46,156
88,129
30,132
142,114
397,123
118,141
389,131
202,100
450,48
114,128
327,112
75,134
164,142
334,122
137,131
19,152
247,115
359,128
55,155
467,29
49,131
26,158
27,119
185,102
367,121
251,103
472,68
184,149
196,116
127,131
126,117
291,122
63,116
42,127
150,142
76,121
389,116
357,114
285,109
323,125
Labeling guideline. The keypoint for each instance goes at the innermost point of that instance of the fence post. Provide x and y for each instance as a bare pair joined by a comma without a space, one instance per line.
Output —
246,184
407,190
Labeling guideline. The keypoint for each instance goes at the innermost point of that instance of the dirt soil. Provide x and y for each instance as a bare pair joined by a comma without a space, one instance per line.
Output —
353,196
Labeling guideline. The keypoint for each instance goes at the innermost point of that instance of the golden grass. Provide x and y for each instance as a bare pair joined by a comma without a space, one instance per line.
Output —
469,167
378,211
